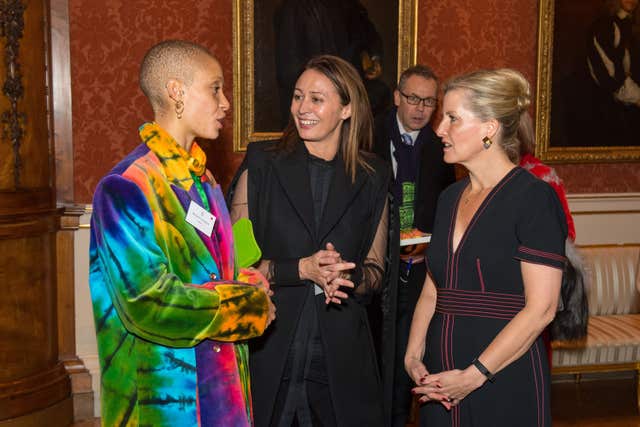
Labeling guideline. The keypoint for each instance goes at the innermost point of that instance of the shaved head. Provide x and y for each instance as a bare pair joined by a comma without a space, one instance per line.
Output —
170,59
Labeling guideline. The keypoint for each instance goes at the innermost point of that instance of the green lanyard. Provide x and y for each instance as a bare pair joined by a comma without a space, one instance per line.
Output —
203,196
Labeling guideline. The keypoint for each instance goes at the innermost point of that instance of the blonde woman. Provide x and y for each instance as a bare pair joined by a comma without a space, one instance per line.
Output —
495,265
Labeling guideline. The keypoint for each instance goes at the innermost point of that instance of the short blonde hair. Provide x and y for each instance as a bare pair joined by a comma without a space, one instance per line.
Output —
503,95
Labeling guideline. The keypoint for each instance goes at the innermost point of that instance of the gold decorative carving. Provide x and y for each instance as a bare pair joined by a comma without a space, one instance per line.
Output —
243,65
544,148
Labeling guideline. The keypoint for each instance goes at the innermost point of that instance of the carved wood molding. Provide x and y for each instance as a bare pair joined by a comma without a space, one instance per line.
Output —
29,394
11,29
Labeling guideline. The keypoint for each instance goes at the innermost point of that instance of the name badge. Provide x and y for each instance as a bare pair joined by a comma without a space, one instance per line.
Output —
200,218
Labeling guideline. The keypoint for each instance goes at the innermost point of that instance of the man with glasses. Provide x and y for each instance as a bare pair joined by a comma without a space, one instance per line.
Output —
404,138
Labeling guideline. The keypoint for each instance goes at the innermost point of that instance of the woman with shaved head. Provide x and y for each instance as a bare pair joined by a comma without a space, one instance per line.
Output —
168,302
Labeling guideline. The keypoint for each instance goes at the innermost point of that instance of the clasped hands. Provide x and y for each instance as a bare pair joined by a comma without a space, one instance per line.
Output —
329,271
446,387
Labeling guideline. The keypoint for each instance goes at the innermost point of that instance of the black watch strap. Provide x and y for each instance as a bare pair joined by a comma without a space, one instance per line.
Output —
483,369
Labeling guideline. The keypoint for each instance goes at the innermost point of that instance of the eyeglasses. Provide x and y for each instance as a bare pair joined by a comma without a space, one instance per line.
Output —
429,101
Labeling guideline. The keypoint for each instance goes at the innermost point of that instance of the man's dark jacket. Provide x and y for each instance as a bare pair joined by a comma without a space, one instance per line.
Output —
434,175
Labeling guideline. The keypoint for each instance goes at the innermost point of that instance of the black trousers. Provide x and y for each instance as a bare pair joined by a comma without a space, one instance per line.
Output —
409,288
320,409
304,398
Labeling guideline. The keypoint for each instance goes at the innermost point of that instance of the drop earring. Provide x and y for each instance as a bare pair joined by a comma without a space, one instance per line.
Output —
486,142
179,107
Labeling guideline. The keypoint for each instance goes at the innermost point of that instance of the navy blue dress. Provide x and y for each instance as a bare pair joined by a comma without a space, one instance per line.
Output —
480,289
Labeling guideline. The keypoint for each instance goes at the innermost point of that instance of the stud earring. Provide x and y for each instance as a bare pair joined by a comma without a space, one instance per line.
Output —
179,107
486,142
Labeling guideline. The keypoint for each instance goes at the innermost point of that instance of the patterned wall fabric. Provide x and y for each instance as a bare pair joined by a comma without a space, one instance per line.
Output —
479,34
503,33
108,40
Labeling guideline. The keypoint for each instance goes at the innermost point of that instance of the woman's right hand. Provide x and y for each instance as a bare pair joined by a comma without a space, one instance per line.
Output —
325,268
418,372
415,368
322,267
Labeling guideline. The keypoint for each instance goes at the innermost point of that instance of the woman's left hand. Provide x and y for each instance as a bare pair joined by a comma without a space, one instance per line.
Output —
337,277
332,290
456,384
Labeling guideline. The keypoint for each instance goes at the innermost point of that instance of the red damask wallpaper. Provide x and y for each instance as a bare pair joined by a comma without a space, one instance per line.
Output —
460,36
108,40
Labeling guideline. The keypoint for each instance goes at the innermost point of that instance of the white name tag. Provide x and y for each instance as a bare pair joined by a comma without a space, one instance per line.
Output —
200,218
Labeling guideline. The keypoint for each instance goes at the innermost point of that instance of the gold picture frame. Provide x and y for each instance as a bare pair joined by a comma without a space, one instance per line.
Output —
244,130
545,149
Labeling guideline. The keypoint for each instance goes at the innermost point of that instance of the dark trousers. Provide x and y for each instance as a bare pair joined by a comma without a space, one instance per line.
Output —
409,288
319,412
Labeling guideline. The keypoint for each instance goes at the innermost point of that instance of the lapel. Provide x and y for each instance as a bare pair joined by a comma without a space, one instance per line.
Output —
185,198
392,124
221,240
392,133
293,174
341,193
220,243
423,140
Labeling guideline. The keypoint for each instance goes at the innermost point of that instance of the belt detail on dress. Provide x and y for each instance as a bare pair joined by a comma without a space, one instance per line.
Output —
491,305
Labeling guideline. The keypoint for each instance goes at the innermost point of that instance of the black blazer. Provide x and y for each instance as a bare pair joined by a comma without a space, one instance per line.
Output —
434,175
281,209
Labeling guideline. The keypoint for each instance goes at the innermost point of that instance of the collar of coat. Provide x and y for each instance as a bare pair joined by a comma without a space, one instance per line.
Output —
293,174
176,161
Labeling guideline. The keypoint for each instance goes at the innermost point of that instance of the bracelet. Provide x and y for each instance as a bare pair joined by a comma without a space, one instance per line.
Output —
483,369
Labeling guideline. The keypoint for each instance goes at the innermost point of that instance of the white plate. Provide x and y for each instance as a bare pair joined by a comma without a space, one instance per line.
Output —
415,240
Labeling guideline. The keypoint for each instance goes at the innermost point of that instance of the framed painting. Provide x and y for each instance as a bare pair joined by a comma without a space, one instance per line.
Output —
588,94
272,37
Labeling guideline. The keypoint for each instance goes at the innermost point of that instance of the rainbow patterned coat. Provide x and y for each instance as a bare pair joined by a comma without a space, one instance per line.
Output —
166,306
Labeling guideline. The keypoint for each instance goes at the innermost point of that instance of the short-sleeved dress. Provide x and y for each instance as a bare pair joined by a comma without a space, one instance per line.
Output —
480,289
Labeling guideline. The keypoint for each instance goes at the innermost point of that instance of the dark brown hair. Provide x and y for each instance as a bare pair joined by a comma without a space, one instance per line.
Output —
356,133
416,70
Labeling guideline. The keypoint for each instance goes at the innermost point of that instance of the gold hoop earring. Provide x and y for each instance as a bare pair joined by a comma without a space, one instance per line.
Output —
486,142
179,107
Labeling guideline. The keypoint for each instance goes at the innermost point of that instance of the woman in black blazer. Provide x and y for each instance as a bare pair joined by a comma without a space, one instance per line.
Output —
318,203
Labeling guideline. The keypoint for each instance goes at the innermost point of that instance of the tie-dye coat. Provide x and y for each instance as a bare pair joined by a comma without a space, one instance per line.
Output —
164,334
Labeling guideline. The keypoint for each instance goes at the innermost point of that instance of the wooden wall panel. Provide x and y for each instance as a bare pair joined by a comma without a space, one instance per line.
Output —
35,152
32,378
23,104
